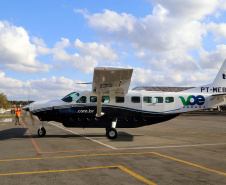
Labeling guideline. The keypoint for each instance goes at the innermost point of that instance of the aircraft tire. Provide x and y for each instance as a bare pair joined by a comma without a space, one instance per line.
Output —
107,129
112,133
41,132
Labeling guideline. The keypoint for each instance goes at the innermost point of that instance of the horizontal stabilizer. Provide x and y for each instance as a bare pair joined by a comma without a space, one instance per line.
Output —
215,95
85,83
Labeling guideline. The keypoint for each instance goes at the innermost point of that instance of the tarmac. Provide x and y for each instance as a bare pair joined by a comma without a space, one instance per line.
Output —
189,149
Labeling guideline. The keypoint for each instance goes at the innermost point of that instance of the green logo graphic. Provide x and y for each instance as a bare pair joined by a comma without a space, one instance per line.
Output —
199,100
185,103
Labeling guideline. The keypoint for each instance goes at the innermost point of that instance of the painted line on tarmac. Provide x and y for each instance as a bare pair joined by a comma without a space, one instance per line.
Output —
187,130
136,175
111,154
85,137
74,156
157,140
82,169
55,152
191,164
175,146
6,120
38,150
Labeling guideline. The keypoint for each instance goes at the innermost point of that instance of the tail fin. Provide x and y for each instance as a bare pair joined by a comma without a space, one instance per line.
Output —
220,80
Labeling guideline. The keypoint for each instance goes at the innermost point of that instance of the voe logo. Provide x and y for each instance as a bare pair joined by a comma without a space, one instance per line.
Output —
193,100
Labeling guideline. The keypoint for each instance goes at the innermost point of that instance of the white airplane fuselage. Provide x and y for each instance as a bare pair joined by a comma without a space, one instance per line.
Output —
138,109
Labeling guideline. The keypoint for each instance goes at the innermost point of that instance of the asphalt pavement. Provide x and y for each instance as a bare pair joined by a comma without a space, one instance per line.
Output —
190,149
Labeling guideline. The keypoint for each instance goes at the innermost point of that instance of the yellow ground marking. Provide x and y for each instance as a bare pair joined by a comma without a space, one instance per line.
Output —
6,116
136,175
82,169
154,140
222,134
138,153
62,157
192,164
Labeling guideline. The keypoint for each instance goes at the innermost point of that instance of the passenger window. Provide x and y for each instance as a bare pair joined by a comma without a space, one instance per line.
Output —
105,99
158,100
119,99
135,99
81,100
93,99
147,99
169,99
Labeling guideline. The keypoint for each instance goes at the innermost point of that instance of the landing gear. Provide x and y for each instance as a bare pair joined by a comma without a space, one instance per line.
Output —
41,130
111,133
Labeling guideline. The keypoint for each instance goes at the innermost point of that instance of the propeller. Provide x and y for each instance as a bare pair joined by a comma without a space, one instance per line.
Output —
27,109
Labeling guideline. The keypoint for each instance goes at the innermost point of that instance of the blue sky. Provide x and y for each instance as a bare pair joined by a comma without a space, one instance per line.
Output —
47,47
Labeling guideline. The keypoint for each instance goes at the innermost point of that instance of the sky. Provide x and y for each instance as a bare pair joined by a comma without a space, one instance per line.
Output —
47,47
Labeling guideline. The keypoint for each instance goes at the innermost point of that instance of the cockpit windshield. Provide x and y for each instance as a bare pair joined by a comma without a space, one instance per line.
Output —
70,97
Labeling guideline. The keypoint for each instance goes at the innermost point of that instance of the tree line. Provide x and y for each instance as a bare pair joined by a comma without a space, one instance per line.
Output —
14,102
6,104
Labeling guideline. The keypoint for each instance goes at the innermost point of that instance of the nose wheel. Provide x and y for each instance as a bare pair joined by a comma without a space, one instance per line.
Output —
41,130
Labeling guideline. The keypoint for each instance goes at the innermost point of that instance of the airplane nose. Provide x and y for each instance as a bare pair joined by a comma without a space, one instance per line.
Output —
26,107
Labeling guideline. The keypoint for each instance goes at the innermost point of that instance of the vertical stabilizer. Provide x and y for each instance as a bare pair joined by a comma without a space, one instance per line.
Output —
220,80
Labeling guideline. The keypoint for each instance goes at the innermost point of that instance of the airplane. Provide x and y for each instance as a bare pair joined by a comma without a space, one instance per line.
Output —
110,104
2,111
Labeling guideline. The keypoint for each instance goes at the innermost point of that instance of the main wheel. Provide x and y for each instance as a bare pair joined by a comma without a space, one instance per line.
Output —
111,133
41,132
107,128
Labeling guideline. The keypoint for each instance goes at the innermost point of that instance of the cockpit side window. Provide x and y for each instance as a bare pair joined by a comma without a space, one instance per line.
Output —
70,97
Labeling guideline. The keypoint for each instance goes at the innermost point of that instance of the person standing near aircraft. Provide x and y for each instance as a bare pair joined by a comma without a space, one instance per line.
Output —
17,118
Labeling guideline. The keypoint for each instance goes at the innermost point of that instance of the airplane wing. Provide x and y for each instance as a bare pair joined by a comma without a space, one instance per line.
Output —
112,80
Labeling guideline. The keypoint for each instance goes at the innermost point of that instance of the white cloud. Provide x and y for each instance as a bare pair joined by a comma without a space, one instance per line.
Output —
44,88
155,32
38,41
13,88
219,30
165,40
198,76
62,44
146,77
111,21
9,83
85,63
90,54
96,50
54,87
141,76
53,83
212,60
177,60
189,10
16,51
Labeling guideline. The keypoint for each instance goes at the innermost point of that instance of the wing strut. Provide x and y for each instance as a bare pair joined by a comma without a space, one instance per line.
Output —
99,107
